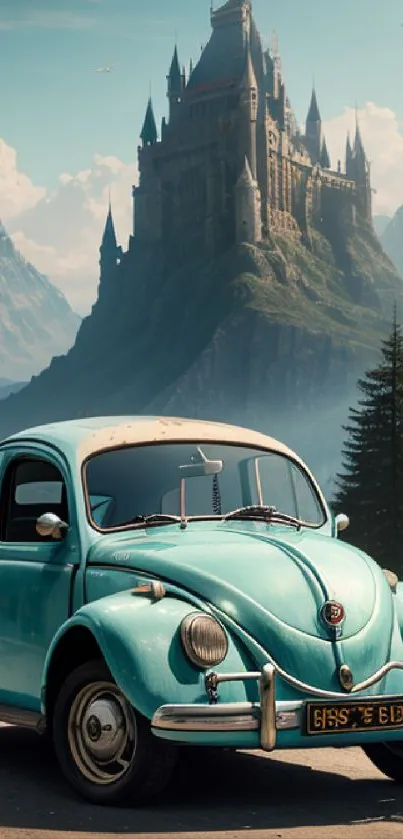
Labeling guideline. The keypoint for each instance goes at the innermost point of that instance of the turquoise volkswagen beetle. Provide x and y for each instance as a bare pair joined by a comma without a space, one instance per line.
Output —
166,582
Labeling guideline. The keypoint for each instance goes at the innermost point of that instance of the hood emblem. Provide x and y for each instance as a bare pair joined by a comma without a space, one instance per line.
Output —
346,677
333,614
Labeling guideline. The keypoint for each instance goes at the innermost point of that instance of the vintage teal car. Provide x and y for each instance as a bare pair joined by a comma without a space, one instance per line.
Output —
165,582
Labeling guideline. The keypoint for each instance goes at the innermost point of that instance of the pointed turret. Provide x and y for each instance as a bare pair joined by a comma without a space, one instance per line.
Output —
313,112
249,78
358,144
313,129
110,252
109,240
246,177
362,174
349,157
324,156
248,207
174,76
176,84
149,134
248,111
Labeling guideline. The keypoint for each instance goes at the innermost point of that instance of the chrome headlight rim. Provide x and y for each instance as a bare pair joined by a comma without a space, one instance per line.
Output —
187,629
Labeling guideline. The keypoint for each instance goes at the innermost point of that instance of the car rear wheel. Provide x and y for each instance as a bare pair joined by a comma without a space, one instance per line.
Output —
388,758
104,747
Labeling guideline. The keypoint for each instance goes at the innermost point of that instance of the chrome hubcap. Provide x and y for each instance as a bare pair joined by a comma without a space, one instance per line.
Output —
102,733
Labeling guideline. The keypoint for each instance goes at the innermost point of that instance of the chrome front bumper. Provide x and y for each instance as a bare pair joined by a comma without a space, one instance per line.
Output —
266,716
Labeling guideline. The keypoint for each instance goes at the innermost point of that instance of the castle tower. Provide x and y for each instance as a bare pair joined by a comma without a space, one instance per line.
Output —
149,135
248,207
313,129
248,112
362,176
147,196
175,81
110,253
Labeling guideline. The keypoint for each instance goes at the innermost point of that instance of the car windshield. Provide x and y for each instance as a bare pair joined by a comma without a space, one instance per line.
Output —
127,484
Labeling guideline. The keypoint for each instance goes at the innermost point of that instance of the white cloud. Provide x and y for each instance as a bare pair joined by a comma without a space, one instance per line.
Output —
382,135
17,192
60,231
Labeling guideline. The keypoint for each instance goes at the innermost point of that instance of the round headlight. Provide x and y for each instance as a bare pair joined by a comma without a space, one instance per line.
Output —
204,640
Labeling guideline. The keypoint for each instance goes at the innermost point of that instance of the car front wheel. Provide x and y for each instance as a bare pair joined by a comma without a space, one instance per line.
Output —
388,758
104,747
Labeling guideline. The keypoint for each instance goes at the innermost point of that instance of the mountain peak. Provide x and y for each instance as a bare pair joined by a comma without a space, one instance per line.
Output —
36,319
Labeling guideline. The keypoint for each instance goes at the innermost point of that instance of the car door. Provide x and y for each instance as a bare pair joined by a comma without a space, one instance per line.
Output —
36,573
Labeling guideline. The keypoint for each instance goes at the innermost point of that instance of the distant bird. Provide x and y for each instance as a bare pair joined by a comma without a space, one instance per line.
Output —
107,69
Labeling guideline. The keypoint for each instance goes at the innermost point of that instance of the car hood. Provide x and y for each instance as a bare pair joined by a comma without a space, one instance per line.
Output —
272,581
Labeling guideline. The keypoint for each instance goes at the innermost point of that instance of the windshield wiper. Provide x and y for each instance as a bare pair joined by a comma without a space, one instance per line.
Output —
263,512
155,518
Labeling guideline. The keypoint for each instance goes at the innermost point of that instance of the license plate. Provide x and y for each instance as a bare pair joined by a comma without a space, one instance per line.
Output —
362,715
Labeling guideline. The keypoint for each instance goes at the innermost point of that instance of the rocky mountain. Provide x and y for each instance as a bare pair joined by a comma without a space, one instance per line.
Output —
392,239
272,336
36,321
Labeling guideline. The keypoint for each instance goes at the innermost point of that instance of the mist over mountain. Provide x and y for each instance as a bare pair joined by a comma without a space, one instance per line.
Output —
7,387
36,321
392,240
380,224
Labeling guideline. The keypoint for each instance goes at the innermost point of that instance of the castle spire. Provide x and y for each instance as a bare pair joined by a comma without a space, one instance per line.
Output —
313,129
109,240
110,252
176,83
149,134
174,75
358,144
313,112
349,157
248,207
249,78
248,108
324,156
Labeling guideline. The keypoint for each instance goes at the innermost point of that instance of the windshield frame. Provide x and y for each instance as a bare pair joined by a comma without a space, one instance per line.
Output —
197,441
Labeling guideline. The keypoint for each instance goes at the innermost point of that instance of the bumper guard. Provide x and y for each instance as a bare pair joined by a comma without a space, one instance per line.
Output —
267,716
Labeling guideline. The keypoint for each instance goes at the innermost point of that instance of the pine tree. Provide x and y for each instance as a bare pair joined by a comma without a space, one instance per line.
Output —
370,491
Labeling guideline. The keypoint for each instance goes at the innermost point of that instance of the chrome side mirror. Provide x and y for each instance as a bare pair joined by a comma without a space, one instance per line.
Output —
342,522
50,525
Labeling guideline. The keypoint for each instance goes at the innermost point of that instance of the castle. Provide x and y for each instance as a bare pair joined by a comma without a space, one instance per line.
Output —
230,164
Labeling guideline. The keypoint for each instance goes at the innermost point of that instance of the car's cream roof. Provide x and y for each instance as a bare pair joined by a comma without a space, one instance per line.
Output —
94,434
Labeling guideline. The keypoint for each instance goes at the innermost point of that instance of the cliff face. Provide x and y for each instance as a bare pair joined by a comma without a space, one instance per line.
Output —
36,321
272,336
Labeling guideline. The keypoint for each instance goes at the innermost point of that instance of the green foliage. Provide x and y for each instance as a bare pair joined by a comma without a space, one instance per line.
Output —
371,489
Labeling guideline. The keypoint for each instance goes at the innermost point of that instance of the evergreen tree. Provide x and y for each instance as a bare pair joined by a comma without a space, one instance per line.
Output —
370,491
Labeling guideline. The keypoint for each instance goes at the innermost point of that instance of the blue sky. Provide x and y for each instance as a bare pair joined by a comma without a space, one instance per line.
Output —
57,112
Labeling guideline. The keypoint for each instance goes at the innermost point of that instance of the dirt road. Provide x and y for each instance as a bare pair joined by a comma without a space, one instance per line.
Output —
296,795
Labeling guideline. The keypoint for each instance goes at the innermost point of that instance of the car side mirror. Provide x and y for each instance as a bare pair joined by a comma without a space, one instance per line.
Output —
342,522
50,525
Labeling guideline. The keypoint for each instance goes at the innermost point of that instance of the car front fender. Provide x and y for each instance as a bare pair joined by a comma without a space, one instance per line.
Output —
140,641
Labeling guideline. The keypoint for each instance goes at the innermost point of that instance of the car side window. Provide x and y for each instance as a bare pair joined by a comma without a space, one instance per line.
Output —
31,487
